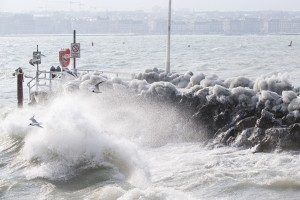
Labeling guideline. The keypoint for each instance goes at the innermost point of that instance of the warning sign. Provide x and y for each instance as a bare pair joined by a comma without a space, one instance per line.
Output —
37,57
75,50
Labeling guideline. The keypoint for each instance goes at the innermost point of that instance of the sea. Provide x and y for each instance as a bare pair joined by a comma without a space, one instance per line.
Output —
110,147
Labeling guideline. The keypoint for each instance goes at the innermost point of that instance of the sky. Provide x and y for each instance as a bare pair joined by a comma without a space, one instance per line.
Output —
147,5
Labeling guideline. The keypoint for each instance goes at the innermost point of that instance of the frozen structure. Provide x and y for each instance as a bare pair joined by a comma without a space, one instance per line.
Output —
262,114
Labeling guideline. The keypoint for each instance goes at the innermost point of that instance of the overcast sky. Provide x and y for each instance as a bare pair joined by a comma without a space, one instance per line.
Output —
147,5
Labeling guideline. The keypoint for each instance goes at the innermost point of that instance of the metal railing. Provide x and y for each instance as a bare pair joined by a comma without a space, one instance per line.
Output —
52,76
35,81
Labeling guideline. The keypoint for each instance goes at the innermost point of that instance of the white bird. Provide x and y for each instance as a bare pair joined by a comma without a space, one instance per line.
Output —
70,72
34,122
31,62
95,88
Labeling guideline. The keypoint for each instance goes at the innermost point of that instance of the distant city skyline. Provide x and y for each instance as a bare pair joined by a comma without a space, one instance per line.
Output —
147,5
147,23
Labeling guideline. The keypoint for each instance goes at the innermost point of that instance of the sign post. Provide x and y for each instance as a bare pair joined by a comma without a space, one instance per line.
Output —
75,50
37,60
64,56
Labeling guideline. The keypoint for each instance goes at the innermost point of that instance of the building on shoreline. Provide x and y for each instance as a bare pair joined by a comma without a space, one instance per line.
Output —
139,22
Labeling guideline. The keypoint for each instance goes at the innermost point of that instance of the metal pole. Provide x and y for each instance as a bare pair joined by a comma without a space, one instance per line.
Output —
37,71
169,39
74,58
20,87
50,81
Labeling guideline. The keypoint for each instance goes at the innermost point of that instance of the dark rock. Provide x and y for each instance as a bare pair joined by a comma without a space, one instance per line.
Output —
288,119
227,137
163,77
257,148
292,139
222,119
155,70
273,138
295,129
139,76
205,118
267,120
280,110
242,139
230,140
246,123
257,135
151,77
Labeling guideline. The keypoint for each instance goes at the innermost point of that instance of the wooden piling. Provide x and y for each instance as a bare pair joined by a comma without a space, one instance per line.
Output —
20,78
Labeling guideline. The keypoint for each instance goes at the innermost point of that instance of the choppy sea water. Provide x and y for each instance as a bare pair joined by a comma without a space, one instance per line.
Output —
110,147
225,56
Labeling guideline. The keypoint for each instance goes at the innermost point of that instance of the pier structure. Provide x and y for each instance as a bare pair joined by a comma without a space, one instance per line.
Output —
45,83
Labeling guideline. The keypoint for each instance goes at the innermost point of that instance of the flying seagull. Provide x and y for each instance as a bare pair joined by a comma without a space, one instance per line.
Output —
95,89
31,62
34,122
70,72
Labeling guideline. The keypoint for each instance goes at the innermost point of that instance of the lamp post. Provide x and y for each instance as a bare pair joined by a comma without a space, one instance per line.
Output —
169,39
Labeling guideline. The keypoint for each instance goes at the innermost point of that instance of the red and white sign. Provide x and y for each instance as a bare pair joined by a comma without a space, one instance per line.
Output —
64,57
75,50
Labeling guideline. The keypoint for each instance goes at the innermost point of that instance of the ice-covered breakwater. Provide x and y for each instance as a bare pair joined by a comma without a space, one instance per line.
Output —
262,114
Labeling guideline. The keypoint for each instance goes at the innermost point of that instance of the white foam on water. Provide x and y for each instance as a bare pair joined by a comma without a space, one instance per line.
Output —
224,172
70,141
151,193
84,131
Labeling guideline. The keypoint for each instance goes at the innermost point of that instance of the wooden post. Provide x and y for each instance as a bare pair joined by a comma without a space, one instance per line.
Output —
20,79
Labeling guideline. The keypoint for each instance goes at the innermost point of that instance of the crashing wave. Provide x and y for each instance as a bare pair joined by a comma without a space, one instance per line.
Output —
261,114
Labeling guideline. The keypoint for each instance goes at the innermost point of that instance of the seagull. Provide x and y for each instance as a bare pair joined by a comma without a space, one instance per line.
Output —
95,89
34,122
70,72
27,76
31,62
